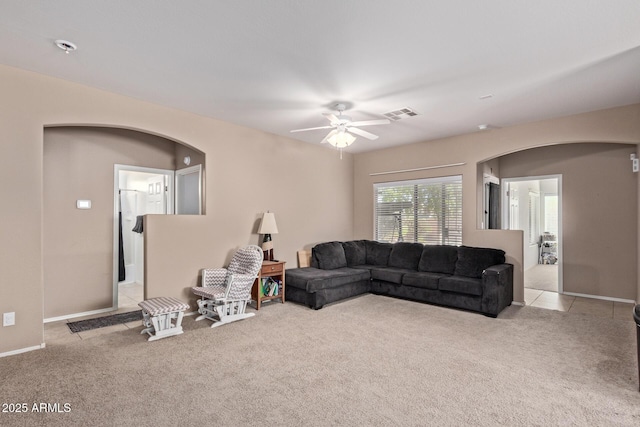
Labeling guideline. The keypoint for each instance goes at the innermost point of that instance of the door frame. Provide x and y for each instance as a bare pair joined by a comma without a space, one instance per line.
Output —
506,220
117,168
486,180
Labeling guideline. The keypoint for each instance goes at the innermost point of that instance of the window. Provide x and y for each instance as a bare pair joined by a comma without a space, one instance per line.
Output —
425,211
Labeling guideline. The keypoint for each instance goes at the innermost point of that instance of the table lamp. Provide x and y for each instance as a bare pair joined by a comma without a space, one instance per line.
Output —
268,227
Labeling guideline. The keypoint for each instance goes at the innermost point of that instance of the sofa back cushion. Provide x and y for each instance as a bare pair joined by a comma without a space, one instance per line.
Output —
405,255
473,261
377,252
438,259
355,252
328,256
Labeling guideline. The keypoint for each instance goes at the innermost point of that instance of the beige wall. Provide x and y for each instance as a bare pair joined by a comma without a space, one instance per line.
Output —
308,188
78,244
248,172
619,125
315,195
599,204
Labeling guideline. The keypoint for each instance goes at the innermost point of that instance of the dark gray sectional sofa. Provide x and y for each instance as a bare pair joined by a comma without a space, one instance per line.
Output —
470,278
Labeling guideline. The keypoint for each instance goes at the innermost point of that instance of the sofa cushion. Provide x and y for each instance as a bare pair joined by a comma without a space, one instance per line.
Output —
356,252
377,252
335,278
405,255
438,259
461,285
389,274
423,280
313,279
329,256
473,261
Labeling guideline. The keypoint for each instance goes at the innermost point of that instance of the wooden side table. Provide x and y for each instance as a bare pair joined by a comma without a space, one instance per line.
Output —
275,270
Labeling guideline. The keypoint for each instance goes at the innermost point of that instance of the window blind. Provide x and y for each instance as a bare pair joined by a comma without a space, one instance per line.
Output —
427,211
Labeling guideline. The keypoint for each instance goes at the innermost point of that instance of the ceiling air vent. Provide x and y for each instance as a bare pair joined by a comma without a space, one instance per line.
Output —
400,114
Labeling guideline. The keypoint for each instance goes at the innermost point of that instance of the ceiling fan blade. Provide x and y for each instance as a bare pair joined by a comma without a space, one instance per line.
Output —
304,130
332,117
371,122
329,135
363,133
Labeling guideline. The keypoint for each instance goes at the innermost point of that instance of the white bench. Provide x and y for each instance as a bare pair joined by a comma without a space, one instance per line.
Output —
158,315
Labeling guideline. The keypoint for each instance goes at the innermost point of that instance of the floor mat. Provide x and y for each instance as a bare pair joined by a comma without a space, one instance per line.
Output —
101,322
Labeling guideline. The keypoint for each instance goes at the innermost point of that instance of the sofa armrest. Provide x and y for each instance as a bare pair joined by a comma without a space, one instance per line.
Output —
497,288
496,270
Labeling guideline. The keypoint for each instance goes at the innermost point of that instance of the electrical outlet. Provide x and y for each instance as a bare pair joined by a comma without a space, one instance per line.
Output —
9,319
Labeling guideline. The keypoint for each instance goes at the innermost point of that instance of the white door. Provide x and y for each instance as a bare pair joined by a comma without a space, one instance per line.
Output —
156,199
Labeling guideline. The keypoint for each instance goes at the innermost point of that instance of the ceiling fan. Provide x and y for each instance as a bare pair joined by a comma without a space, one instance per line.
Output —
343,128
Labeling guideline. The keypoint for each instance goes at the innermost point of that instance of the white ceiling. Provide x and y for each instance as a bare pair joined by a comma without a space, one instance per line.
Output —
278,65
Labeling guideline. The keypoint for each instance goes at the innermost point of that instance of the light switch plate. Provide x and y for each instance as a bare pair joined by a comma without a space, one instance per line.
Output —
9,319
83,204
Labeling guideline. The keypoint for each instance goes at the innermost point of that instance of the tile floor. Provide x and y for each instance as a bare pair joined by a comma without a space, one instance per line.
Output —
591,306
540,290
129,296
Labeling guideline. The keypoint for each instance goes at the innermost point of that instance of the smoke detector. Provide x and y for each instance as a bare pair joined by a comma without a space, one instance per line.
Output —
65,45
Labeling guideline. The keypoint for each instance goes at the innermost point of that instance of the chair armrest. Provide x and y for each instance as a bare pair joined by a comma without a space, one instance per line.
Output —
239,287
214,276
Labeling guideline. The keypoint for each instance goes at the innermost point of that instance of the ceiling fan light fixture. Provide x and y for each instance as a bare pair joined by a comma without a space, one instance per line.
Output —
341,139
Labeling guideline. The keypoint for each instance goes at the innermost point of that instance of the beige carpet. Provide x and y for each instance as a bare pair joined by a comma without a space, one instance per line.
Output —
543,277
371,360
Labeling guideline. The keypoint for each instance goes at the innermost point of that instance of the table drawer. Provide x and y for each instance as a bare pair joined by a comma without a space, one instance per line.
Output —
271,269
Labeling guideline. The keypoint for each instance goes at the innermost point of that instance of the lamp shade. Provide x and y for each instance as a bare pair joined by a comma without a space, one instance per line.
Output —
268,224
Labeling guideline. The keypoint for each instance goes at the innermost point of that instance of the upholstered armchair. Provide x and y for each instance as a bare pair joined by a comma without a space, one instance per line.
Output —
226,292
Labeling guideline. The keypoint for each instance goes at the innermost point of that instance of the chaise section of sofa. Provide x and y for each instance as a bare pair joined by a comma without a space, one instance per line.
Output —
329,279
476,279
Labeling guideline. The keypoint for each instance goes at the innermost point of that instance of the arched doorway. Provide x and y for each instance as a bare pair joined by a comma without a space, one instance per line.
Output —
78,244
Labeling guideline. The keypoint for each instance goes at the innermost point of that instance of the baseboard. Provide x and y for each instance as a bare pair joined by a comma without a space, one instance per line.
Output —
574,294
73,316
22,350
519,304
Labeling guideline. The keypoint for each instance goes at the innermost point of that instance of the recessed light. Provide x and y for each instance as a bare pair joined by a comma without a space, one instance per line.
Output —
487,96
65,45
483,127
